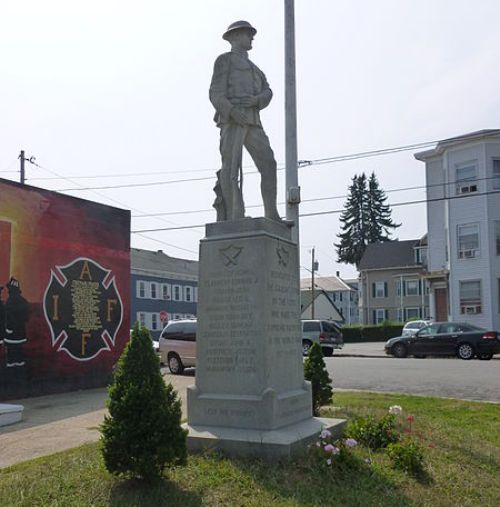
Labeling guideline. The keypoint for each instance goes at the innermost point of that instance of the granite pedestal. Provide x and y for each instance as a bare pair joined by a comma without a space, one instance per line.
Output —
250,396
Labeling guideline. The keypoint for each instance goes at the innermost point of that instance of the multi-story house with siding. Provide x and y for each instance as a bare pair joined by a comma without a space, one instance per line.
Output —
392,282
162,287
343,293
463,215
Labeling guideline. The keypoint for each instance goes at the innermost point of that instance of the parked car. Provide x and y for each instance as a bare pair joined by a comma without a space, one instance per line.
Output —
325,332
447,338
411,327
178,345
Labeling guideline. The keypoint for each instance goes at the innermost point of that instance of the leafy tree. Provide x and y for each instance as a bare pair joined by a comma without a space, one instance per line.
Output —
353,238
379,213
143,432
366,219
315,371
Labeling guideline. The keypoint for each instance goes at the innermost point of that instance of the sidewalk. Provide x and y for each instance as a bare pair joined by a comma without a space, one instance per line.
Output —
57,422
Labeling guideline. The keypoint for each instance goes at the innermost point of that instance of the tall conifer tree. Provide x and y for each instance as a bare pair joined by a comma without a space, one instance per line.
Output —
380,222
353,238
366,219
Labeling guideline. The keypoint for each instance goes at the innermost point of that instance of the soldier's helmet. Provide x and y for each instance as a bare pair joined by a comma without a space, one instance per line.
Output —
238,25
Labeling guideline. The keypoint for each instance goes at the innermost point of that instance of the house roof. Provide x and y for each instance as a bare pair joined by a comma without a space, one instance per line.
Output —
441,146
390,254
161,262
327,283
306,300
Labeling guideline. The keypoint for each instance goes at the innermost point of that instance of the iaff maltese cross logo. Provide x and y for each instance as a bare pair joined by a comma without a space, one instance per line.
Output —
83,308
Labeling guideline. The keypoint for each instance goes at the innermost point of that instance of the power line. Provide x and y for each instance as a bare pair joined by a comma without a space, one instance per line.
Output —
301,163
316,199
332,212
121,204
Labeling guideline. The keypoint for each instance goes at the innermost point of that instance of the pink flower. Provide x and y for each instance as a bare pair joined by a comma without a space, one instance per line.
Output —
325,434
329,461
335,450
328,448
350,442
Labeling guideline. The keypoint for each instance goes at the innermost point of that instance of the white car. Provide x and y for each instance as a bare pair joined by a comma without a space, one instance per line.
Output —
411,328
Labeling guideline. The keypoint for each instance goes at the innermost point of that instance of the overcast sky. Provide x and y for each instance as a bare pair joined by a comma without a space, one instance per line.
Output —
110,88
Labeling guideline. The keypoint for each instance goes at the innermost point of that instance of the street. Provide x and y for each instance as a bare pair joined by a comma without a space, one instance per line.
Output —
447,377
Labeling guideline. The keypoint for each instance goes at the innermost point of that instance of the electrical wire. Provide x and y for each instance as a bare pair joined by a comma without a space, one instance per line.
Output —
331,212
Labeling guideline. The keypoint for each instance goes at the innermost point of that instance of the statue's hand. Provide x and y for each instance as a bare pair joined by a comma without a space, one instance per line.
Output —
250,101
238,116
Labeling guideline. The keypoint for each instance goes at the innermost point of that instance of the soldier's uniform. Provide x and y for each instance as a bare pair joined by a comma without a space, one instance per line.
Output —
236,77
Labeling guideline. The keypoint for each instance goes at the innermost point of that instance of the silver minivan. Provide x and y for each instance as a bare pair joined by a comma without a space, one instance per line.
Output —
178,345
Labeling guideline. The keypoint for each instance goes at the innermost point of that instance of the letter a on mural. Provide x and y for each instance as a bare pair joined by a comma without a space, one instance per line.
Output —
83,308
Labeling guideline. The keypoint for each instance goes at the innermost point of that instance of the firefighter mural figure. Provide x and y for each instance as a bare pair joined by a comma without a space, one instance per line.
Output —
238,91
2,318
16,315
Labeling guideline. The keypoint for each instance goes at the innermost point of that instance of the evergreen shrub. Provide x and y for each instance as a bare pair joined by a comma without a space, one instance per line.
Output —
315,371
142,433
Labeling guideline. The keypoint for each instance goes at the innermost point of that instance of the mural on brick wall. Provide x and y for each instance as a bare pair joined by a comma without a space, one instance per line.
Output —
64,269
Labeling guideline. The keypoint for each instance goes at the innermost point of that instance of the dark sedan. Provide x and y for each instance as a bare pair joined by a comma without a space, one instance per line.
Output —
447,339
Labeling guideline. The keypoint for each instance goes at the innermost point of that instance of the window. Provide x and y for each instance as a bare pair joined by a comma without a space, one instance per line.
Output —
468,241
412,313
154,290
398,287
311,326
165,291
497,236
496,173
154,321
412,287
379,289
188,293
141,289
466,178
380,314
340,296
470,297
177,292
141,317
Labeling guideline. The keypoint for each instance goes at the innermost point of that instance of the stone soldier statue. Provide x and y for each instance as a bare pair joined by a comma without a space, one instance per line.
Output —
238,91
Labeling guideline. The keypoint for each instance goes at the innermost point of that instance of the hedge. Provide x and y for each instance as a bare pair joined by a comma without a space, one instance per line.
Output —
379,333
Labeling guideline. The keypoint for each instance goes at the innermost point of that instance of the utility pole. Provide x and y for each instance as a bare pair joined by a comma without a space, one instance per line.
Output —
314,267
23,176
292,180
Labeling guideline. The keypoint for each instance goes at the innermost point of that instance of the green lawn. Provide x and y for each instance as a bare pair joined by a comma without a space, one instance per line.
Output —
463,469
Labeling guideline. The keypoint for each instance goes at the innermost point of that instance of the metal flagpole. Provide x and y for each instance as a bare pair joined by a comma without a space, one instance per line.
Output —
292,182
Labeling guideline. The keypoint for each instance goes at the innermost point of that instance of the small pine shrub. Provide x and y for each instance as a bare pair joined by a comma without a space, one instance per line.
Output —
315,371
143,433
374,433
407,455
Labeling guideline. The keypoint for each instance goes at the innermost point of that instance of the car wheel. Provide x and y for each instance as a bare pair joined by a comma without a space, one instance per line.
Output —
327,351
306,345
175,364
485,356
465,351
399,350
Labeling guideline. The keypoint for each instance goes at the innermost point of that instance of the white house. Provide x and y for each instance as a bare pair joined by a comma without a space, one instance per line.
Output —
463,219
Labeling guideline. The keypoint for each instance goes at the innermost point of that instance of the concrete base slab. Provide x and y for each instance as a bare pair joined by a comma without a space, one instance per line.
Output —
270,445
10,414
